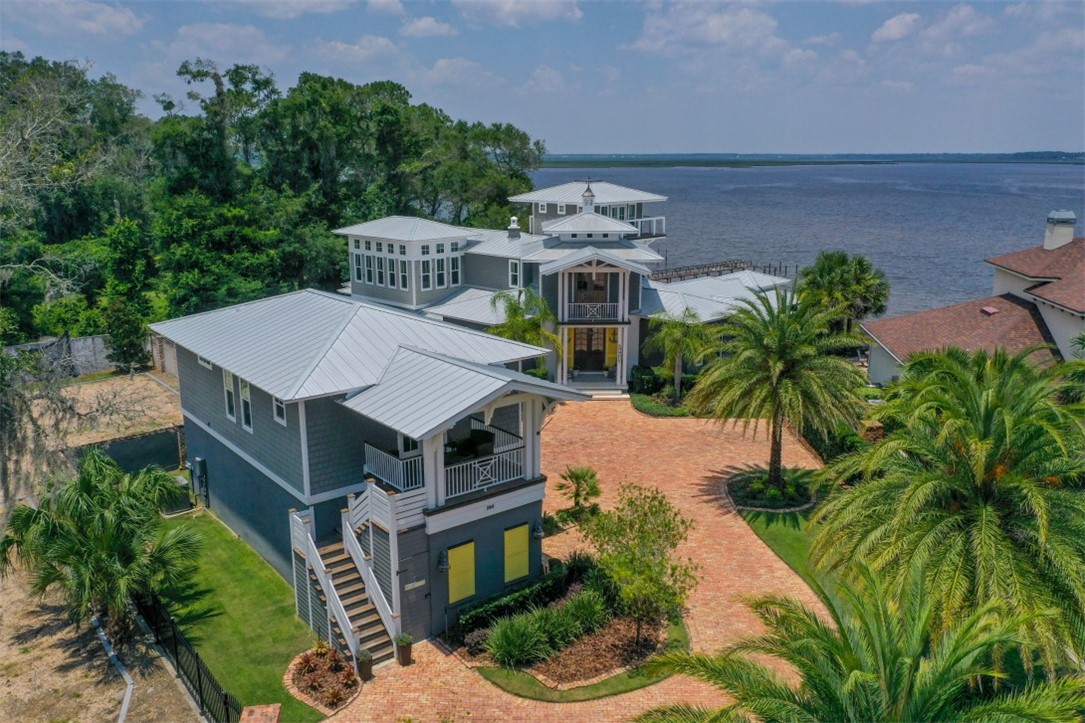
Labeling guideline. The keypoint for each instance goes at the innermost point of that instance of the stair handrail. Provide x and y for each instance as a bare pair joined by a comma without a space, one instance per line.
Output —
372,587
335,605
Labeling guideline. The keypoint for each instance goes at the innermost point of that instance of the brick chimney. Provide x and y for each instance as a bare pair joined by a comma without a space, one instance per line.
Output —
1060,229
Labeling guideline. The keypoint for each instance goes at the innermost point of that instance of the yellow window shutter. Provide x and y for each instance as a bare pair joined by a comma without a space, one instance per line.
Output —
461,572
516,553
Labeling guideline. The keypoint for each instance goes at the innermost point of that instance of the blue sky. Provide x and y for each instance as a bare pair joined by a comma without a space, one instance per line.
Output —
625,77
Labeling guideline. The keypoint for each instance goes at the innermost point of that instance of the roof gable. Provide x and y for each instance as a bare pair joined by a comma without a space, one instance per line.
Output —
573,193
589,254
588,222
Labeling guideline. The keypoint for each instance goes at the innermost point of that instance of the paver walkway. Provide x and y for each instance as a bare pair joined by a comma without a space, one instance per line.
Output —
687,459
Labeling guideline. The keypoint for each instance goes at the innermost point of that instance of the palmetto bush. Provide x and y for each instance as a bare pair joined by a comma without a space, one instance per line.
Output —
98,538
518,640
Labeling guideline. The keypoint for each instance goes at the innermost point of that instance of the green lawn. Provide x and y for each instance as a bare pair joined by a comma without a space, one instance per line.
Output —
239,613
788,536
526,685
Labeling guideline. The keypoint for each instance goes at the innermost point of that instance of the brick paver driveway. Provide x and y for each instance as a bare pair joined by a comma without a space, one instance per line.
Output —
684,457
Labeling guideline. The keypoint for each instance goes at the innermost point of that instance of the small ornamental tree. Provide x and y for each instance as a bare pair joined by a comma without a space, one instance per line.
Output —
635,543
580,485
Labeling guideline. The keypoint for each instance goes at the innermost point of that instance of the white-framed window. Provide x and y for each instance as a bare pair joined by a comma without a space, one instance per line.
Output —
574,235
606,235
579,209
278,408
441,273
561,209
380,270
454,246
402,249
380,247
369,269
425,275
403,275
409,446
357,244
357,267
440,248
246,406
205,363
514,274
542,208
392,273
368,245
228,394
425,249
454,270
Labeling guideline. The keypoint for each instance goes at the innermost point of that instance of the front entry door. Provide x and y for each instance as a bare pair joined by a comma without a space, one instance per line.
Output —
589,349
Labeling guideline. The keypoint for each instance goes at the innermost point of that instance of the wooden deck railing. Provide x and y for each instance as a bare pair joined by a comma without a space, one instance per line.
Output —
484,472
403,474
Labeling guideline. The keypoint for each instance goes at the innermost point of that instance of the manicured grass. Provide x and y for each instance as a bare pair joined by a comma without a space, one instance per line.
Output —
526,685
239,613
789,537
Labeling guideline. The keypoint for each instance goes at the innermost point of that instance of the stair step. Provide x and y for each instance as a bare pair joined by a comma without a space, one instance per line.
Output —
345,576
382,653
346,590
377,635
365,619
334,559
344,566
361,598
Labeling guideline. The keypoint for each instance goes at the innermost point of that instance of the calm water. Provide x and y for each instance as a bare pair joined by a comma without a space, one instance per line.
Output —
927,226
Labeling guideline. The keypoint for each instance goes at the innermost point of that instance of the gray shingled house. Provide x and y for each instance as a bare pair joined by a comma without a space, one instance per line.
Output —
388,464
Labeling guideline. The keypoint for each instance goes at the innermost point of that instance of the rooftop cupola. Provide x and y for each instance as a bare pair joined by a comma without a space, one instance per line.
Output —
589,200
514,228
1060,229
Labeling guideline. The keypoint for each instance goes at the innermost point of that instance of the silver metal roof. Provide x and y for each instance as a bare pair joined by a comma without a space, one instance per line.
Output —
588,222
498,243
605,194
421,392
407,228
311,343
591,253
624,249
711,297
469,304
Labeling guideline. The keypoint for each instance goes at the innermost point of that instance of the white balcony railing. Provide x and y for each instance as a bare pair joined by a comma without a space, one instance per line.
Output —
650,226
358,507
484,472
592,312
403,474
503,441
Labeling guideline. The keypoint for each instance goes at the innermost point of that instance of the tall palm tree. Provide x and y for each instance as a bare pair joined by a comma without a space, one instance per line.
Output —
680,337
850,285
528,318
873,659
774,365
98,537
980,485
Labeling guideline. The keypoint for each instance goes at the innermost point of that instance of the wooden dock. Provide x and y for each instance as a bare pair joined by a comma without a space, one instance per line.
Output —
719,268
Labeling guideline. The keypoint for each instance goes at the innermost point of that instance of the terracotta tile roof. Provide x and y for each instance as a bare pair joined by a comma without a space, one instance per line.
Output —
1061,272
1007,321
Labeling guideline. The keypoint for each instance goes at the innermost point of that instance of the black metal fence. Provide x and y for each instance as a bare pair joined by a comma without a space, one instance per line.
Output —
215,703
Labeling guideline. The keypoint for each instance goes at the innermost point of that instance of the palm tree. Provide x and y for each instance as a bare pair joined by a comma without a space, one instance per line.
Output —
98,537
680,337
872,659
980,484
528,318
847,284
774,365
580,484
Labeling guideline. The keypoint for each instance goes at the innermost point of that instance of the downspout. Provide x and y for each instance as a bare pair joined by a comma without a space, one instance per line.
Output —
129,685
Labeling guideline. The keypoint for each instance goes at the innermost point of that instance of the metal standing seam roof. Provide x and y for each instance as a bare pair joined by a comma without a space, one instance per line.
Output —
407,228
591,253
573,192
623,249
311,343
711,297
498,243
422,392
588,222
470,304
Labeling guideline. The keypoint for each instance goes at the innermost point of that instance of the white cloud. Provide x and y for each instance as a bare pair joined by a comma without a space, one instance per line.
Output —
797,58
69,17
961,21
458,72
227,43
426,27
385,7
368,47
830,39
289,9
518,13
897,27
695,24
14,45
545,80
970,73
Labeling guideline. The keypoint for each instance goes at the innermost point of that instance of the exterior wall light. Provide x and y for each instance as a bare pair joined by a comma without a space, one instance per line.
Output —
442,561
537,530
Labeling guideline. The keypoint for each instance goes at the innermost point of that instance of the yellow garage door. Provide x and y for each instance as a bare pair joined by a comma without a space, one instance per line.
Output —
461,572
516,553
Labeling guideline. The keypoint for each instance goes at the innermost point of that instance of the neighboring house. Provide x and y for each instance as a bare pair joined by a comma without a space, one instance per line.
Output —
1039,299
388,464
589,255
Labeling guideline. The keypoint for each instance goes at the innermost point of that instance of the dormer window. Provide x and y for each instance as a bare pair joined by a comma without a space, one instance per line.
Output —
542,208
561,209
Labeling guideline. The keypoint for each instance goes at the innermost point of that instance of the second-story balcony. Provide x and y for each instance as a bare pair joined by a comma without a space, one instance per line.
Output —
483,458
649,227
593,311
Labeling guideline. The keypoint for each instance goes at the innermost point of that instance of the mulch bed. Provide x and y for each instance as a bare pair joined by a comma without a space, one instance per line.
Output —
607,650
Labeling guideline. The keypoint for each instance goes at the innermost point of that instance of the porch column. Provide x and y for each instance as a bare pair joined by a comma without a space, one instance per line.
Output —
623,341
532,460
433,469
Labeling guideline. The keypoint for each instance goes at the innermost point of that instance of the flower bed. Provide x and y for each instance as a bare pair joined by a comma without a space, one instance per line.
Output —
323,677
750,490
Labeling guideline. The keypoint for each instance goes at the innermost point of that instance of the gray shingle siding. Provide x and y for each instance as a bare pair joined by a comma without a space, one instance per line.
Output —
276,447
489,272
336,438
550,291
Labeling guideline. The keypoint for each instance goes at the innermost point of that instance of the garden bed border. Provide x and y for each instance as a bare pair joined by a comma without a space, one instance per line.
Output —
288,683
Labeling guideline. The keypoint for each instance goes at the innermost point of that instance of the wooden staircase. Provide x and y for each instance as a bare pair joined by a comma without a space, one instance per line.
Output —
365,623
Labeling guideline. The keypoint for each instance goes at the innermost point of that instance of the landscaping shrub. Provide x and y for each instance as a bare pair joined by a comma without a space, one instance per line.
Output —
558,624
324,675
597,581
517,640
552,587
654,407
577,565
475,641
751,490
538,373
589,610
644,380
843,440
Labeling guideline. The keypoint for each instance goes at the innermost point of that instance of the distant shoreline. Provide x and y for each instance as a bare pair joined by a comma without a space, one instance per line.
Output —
709,160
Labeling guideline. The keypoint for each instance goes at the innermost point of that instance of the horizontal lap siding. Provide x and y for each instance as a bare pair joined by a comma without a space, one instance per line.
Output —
276,447
409,507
